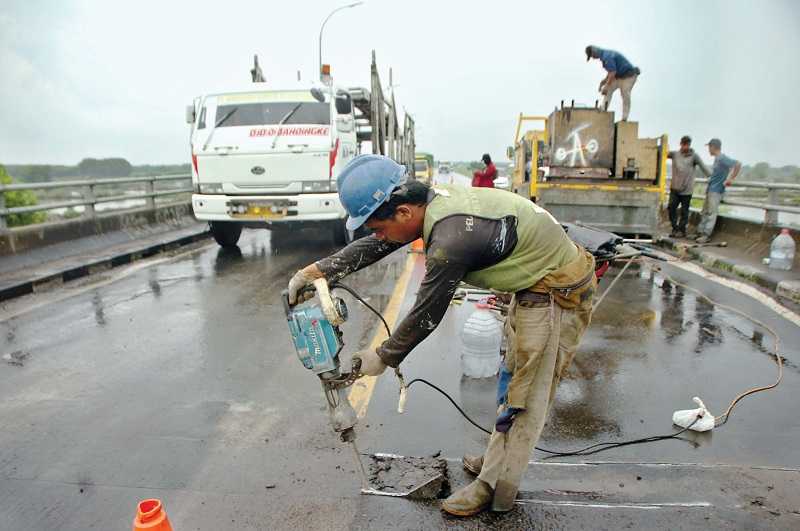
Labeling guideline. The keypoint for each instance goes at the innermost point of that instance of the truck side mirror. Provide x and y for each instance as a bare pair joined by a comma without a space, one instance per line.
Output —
318,95
344,105
510,153
190,115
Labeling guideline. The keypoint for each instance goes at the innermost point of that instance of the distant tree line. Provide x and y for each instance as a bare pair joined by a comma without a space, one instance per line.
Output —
762,171
90,167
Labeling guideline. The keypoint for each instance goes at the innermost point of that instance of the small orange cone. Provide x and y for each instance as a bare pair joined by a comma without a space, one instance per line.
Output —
417,246
151,516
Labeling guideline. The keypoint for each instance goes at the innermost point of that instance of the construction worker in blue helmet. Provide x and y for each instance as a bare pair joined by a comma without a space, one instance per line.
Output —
488,238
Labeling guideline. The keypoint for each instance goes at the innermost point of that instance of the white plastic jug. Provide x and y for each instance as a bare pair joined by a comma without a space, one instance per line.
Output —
480,339
781,251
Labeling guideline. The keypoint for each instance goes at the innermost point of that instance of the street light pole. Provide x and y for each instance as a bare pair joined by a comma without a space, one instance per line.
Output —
323,27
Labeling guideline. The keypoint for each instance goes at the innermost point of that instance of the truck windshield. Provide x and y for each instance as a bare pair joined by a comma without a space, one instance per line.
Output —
271,113
421,165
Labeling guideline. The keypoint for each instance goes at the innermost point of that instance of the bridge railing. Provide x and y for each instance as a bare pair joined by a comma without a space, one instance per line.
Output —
771,205
88,197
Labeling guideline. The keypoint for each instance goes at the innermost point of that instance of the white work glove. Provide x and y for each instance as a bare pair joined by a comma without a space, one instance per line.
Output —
371,363
300,280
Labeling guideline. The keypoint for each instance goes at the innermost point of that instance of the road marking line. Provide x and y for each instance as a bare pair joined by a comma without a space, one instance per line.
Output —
362,390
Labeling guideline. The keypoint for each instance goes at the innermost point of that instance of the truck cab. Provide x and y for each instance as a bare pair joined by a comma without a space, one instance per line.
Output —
270,158
422,170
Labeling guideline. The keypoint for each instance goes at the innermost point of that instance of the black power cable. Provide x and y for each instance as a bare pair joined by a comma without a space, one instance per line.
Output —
595,448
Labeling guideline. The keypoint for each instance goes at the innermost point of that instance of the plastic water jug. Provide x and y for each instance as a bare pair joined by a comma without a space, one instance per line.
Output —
481,338
781,251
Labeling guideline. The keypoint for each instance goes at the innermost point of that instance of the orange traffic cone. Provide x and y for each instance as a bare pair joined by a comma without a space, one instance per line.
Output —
151,516
417,246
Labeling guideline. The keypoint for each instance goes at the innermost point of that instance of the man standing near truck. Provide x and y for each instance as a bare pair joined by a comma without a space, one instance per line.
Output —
721,177
620,74
684,161
490,239
485,178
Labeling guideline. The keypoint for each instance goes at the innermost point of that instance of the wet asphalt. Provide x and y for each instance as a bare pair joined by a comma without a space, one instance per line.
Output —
175,378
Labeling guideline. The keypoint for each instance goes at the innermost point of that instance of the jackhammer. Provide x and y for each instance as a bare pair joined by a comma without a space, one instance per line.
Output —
314,325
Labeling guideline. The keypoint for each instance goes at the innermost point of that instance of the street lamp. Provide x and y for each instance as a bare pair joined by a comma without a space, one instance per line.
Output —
323,27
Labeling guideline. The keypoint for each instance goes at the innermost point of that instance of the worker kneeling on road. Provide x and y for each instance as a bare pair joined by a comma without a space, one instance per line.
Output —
493,240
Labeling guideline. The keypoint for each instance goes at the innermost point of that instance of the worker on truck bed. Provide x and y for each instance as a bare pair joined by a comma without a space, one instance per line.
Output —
723,173
493,240
621,74
684,161
485,178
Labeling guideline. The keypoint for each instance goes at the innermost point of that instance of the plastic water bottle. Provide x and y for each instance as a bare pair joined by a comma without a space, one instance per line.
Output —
481,337
781,251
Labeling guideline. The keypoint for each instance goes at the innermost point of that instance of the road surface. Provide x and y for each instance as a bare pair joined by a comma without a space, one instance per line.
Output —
175,378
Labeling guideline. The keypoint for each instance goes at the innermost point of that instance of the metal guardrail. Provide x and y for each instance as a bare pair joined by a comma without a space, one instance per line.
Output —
89,198
771,207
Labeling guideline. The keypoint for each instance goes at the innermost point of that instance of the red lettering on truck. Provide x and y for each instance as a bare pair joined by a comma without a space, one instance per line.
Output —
290,131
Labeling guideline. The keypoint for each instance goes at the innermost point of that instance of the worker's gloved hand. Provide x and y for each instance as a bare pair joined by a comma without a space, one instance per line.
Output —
506,418
300,280
371,363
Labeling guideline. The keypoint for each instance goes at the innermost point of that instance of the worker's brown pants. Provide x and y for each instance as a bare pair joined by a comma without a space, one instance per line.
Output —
542,340
625,87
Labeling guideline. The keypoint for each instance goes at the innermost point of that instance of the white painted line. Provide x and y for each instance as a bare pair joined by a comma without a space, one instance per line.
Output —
640,506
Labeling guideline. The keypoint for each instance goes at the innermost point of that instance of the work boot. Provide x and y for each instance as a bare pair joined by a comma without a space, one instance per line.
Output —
469,500
680,234
472,463
703,239
674,233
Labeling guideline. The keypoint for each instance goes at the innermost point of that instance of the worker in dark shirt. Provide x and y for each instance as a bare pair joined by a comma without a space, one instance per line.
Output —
490,239
485,178
684,162
620,74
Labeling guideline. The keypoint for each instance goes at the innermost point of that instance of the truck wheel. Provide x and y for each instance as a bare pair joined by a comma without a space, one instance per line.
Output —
226,232
341,235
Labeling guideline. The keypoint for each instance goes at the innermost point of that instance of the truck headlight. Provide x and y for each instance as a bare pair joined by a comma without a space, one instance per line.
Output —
316,186
210,188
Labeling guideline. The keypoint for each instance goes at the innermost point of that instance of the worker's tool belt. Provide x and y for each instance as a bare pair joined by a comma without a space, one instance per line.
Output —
530,299
572,284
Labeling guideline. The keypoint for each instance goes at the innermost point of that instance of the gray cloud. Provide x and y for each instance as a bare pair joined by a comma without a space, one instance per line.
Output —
96,78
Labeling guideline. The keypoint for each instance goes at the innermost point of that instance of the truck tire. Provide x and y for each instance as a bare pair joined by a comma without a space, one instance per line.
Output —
341,235
226,232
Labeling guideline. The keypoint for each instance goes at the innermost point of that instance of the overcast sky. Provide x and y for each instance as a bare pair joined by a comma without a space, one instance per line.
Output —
111,78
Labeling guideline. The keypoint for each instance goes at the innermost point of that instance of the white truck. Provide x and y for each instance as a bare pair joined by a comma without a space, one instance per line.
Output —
269,157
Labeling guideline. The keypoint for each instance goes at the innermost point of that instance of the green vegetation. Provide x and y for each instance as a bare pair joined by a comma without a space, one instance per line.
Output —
467,167
20,198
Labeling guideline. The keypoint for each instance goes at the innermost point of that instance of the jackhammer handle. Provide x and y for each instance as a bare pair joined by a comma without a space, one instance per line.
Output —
326,302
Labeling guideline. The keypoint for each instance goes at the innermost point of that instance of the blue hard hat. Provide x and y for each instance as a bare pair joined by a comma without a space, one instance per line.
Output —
365,184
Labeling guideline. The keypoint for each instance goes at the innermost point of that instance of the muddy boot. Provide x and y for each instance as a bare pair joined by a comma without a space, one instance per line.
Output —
469,500
472,463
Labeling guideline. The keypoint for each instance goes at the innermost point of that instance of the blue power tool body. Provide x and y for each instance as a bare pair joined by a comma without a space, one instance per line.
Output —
316,340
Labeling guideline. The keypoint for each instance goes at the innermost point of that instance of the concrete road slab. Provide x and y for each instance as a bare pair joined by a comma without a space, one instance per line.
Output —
175,378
